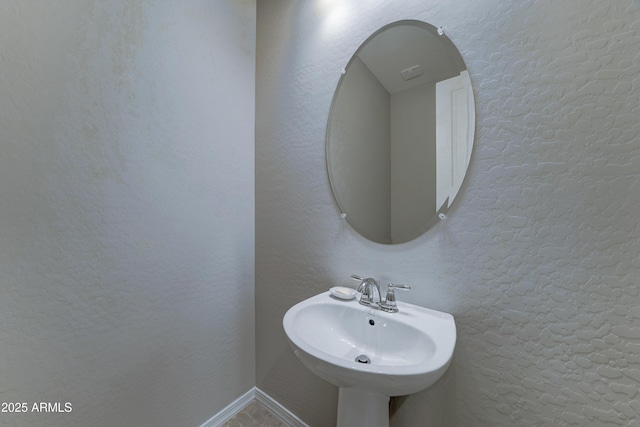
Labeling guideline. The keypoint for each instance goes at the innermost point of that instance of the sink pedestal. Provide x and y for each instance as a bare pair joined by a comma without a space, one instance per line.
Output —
358,407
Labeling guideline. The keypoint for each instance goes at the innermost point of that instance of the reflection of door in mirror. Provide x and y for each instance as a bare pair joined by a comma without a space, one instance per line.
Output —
454,119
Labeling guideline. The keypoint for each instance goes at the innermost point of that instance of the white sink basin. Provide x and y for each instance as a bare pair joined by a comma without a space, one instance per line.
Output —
408,350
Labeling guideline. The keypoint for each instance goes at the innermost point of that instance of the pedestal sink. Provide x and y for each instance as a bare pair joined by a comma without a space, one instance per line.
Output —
370,354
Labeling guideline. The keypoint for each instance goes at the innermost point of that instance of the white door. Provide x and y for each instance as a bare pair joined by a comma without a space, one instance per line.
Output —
455,122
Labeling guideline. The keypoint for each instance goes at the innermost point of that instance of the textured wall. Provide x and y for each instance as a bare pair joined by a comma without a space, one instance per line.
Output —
538,260
126,209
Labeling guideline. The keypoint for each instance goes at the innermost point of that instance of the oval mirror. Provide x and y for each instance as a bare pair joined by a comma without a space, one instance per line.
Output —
400,132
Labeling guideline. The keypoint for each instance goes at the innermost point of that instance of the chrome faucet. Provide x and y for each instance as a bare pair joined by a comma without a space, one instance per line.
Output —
369,291
370,294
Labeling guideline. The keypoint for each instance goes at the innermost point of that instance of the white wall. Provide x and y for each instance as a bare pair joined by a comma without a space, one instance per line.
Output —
362,117
126,209
538,259
413,160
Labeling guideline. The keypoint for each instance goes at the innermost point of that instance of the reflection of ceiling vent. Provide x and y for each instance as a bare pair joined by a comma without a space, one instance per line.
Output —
411,72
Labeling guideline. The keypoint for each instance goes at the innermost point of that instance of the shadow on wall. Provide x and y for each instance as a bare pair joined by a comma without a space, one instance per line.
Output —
436,404
305,387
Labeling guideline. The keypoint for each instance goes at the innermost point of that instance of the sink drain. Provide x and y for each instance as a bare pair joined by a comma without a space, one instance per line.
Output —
363,359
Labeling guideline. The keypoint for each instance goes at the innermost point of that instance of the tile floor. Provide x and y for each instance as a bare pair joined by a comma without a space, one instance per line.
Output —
255,414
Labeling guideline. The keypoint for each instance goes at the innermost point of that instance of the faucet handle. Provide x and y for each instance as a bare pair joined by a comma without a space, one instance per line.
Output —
402,287
389,303
361,280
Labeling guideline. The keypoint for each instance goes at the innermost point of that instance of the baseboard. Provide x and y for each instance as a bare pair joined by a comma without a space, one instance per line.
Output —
233,408
238,405
278,410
